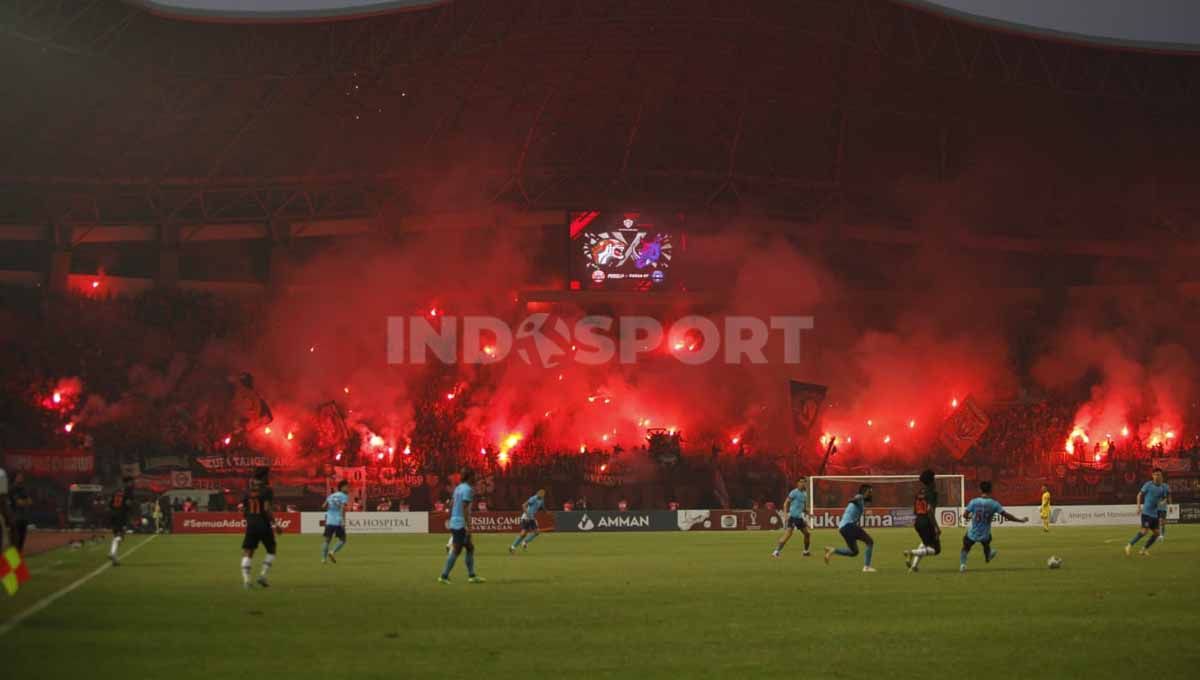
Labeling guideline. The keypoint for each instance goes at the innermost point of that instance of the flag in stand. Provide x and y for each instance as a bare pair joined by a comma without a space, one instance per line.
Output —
13,571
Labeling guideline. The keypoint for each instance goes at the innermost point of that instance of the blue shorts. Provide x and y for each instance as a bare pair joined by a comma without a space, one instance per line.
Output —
1150,523
796,523
851,533
461,537
338,530
529,525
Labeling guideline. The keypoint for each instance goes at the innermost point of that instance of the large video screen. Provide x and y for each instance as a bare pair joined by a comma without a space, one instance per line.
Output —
625,250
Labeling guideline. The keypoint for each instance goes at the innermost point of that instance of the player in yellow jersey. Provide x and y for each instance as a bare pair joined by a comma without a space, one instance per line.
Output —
1045,509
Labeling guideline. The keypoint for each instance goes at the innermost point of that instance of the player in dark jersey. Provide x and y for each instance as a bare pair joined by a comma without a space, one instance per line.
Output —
260,527
119,507
925,509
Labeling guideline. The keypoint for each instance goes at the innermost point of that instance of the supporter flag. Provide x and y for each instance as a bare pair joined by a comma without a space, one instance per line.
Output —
13,571
807,399
963,428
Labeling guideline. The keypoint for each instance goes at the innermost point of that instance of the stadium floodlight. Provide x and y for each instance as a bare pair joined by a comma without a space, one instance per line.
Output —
892,504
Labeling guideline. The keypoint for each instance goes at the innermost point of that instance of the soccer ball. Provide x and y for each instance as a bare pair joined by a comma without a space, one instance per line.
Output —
1054,562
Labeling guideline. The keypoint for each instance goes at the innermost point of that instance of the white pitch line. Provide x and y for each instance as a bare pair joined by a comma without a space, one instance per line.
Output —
49,599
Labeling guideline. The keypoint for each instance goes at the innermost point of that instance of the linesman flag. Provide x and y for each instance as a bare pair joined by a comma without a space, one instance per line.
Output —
807,399
13,571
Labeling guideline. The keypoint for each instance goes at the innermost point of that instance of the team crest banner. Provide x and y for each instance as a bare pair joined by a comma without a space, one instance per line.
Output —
807,400
963,428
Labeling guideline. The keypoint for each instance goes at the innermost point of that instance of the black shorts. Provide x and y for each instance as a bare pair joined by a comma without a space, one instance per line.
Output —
852,533
1150,523
796,523
257,533
332,530
120,523
928,533
969,542
529,525
460,537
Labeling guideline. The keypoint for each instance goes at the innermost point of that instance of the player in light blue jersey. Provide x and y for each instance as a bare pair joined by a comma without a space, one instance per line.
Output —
980,513
335,521
529,525
794,506
1163,506
1152,494
460,523
852,532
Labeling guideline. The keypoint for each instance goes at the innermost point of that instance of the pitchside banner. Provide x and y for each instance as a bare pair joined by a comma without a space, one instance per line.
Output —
370,522
490,522
828,518
653,520
728,520
227,522
1082,515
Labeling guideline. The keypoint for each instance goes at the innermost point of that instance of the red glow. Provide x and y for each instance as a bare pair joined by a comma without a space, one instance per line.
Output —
312,349
1124,431
560,376
583,448
379,456
954,403
510,442
604,468
449,396
489,350
734,440
502,457
433,311
678,346
912,424
376,441
407,450
338,456
1099,456
266,430
1077,432
69,426
227,440
870,423
291,436
57,398
887,439
95,285
482,451
346,390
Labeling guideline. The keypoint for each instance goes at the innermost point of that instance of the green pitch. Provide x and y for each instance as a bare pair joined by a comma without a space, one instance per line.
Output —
680,605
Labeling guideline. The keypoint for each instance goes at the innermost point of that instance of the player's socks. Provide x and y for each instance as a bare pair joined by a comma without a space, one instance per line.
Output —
339,546
246,563
116,543
1152,541
530,537
867,555
916,559
325,551
962,560
1136,537
470,564
516,542
450,560
266,566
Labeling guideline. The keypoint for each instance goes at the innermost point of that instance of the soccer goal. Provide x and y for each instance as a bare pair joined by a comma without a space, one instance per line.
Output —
892,499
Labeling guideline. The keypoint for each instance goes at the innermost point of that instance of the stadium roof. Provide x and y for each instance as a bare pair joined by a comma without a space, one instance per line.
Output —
115,115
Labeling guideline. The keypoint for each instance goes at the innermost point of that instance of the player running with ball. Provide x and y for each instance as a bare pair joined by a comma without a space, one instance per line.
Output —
794,507
980,513
1148,499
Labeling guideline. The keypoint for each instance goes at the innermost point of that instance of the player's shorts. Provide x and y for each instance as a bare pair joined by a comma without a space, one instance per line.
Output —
929,534
969,542
119,524
338,530
796,523
529,525
852,533
1162,514
1150,522
256,534
462,538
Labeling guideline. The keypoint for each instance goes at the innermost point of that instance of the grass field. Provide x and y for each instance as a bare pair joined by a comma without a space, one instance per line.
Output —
615,605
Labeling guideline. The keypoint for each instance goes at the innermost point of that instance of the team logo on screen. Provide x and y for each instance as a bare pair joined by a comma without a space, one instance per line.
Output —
628,248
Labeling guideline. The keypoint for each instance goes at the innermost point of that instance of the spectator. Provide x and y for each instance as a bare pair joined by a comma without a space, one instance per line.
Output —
385,505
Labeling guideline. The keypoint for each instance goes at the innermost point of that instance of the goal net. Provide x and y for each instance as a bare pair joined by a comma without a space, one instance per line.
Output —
892,499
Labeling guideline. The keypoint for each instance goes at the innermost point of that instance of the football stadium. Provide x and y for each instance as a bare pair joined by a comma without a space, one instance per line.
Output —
599,338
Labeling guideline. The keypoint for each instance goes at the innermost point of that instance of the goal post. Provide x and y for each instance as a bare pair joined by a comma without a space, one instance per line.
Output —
892,499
